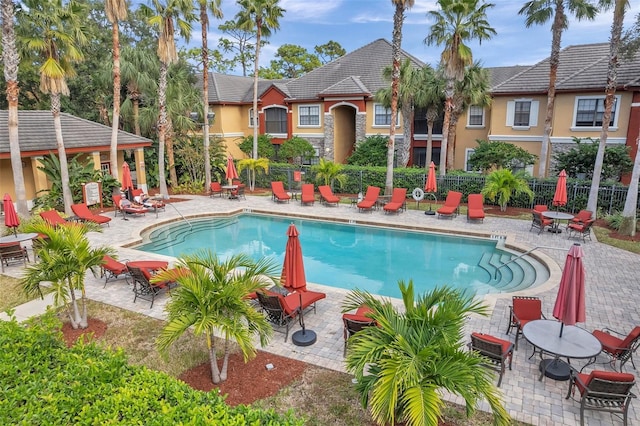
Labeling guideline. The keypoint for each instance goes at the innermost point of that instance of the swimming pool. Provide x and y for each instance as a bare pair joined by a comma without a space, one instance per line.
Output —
348,255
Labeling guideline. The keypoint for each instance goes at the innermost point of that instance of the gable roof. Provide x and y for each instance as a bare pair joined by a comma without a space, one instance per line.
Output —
37,134
358,72
582,67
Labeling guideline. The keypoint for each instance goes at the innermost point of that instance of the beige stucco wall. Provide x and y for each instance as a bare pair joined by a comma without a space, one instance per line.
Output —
310,130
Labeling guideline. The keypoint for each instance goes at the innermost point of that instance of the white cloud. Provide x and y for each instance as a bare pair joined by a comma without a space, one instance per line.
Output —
297,10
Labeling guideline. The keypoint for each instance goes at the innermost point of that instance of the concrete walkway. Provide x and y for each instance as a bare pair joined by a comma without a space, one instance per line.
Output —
612,291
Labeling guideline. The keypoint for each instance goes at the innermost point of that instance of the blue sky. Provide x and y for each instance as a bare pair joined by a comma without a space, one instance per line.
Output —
354,23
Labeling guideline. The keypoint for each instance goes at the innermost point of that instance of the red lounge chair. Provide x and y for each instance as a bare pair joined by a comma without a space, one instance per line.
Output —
370,199
135,210
307,195
327,197
111,268
398,200
619,347
53,218
279,194
451,205
216,189
82,211
282,310
475,207
142,286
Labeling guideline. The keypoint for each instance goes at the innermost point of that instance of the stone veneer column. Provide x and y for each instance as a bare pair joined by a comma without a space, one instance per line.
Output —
327,151
361,126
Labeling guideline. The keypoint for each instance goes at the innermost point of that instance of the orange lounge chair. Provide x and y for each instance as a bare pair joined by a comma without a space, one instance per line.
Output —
111,268
282,310
327,197
53,218
132,209
307,195
370,199
82,211
451,205
475,207
279,194
398,200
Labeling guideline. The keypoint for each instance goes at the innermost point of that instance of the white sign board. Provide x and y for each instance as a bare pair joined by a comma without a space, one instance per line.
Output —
92,193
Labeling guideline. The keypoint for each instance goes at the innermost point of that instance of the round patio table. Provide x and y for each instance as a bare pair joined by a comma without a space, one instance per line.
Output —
17,238
556,216
575,343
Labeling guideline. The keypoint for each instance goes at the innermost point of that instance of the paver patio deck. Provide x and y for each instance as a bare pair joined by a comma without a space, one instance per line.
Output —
611,295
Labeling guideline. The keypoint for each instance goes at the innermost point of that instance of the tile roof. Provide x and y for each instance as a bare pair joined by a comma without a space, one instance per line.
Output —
37,133
499,75
582,67
349,86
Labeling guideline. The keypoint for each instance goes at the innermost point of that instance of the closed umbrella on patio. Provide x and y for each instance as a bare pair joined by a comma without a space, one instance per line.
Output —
232,173
11,219
431,186
570,304
127,182
293,277
560,196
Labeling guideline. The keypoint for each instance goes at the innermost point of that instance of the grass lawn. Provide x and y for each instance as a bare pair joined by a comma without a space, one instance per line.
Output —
12,294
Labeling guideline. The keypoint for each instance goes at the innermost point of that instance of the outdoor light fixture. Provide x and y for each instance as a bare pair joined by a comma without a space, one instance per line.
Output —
195,116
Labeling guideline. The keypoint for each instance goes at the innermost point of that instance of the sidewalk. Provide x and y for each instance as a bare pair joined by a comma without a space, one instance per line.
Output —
30,309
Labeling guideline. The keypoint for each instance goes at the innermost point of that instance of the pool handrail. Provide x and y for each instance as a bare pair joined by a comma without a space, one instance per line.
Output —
495,275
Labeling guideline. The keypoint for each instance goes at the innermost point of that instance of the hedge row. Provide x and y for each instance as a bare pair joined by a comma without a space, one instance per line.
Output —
43,382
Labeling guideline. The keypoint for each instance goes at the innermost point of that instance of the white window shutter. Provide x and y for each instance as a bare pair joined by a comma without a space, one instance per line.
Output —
533,113
511,108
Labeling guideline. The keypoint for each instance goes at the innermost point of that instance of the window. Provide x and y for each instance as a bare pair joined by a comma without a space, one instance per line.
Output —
251,117
589,112
522,113
383,116
475,116
309,115
276,120
467,155
105,168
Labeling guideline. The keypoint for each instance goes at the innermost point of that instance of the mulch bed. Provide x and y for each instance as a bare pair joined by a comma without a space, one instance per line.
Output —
95,330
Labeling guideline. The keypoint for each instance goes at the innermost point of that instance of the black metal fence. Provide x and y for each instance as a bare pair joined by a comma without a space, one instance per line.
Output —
611,197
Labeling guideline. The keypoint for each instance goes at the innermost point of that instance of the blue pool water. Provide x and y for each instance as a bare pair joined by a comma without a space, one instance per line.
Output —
339,255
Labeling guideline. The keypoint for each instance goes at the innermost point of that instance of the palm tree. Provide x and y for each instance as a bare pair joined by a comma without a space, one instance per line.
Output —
629,219
430,95
116,11
11,60
501,184
396,50
214,7
456,22
327,172
138,71
539,12
212,297
610,91
403,365
65,255
56,33
252,166
262,17
164,16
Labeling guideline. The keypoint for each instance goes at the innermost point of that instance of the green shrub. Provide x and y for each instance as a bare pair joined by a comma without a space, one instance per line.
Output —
43,382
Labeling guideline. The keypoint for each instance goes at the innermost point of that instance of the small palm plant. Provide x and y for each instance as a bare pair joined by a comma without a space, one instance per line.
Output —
252,165
328,172
212,298
501,184
65,255
403,365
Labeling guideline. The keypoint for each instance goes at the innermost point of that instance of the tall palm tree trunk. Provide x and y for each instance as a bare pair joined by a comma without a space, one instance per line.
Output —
629,219
162,128
213,359
559,23
398,18
115,125
173,175
432,116
448,108
11,61
407,119
62,154
135,102
255,90
610,91
204,21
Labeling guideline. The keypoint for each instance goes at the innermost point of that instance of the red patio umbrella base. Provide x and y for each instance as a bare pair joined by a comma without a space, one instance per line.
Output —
555,369
304,337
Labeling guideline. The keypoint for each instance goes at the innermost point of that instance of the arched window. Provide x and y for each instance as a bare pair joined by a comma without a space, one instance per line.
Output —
275,120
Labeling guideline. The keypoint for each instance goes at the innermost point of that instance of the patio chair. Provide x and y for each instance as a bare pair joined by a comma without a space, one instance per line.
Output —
37,244
279,194
352,323
619,348
13,252
495,351
53,218
307,194
522,310
112,269
82,211
540,222
144,289
583,216
327,197
124,210
602,391
540,208
282,310
475,207
398,201
370,199
451,205
215,189
238,193
580,229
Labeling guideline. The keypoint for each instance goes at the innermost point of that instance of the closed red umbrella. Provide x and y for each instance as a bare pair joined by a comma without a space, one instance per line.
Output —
293,277
570,305
232,173
11,219
560,197
431,185
127,182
